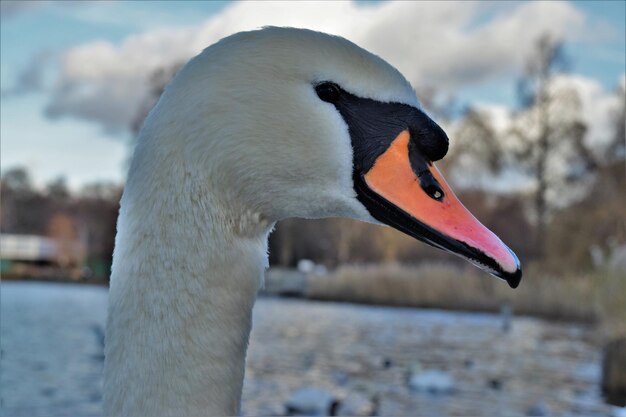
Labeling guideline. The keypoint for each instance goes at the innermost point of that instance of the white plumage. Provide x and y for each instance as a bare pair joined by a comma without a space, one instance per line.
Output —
238,141
259,127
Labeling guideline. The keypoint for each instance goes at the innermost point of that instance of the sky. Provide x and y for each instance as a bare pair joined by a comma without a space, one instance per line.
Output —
73,75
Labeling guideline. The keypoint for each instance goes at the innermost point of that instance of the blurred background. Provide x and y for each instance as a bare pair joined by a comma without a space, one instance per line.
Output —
532,95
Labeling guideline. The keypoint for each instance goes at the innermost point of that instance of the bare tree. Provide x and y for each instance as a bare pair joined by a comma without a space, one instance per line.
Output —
18,179
549,133
158,81
616,151
441,107
57,190
476,147
24,209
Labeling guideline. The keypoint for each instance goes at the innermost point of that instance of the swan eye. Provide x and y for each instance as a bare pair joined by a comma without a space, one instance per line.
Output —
328,92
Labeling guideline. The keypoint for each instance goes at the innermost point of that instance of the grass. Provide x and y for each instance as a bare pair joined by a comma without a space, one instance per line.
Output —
600,296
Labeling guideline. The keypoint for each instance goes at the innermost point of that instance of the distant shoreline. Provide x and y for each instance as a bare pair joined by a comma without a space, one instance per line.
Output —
94,281
338,298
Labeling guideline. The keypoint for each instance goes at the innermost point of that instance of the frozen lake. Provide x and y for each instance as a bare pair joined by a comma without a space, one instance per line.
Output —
51,357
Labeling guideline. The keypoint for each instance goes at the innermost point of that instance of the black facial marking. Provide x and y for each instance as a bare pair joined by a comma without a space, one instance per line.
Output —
432,141
421,169
373,125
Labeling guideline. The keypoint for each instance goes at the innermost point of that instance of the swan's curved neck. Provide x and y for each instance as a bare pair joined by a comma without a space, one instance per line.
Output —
182,290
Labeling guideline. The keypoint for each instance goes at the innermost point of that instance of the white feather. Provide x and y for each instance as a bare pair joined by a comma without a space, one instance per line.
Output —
238,141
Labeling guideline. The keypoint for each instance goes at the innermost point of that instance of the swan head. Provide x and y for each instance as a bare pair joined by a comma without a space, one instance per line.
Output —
284,122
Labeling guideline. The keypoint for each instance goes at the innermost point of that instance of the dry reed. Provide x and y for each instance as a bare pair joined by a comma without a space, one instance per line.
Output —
587,298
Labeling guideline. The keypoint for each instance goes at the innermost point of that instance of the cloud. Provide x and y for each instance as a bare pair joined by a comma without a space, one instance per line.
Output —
598,107
441,45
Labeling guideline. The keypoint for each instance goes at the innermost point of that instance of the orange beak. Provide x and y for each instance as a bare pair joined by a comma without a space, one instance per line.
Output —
399,198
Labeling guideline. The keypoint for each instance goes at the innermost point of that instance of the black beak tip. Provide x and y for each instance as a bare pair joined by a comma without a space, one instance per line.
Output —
514,279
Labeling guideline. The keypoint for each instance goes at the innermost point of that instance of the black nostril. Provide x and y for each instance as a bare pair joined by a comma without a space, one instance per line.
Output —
431,186
434,192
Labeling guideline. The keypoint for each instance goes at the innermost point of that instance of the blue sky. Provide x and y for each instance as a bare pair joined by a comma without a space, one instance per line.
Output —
36,37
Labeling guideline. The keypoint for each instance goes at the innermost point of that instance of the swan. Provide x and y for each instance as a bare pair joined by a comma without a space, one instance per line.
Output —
261,126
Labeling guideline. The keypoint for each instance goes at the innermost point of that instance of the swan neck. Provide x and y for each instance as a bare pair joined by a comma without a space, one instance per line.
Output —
183,285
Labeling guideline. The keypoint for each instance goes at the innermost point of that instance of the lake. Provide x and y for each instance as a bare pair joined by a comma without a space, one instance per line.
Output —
52,355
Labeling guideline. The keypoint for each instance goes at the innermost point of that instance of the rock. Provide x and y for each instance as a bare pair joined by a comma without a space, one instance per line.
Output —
495,384
540,409
415,369
614,372
311,402
353,367
340,377
468,363
48,392
357,404
432,381
383,362
306,266
308,360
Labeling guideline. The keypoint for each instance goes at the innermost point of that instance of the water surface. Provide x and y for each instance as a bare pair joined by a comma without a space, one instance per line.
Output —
51,357
51,346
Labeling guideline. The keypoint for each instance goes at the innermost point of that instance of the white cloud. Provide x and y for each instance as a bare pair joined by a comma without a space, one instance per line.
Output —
598,107
444,45
79,151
